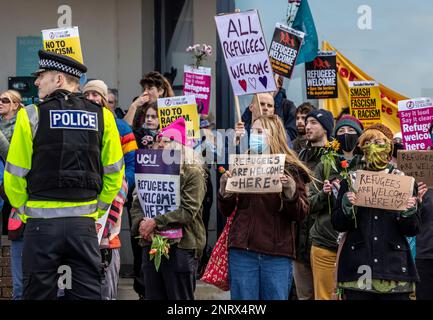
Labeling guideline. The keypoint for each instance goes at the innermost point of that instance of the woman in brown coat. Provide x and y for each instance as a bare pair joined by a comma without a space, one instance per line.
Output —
262,235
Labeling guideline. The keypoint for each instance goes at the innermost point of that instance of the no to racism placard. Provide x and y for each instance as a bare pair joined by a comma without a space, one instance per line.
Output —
415,119
64,41
417,164
256,173
170,109
158,184
365,102
383,190
321,76
285,46
245,52
197,81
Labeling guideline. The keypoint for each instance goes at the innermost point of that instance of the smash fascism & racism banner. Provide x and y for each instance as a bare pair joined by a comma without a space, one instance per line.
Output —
347,71
365,102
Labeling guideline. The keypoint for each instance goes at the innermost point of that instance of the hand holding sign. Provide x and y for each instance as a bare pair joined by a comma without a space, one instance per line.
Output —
383,190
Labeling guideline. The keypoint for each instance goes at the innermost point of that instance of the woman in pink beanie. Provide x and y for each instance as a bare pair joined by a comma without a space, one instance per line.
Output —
176,278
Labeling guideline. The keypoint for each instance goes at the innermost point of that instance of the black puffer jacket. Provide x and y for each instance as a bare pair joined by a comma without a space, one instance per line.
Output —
378,241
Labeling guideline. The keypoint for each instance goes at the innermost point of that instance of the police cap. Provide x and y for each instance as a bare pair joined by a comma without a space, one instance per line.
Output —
50,61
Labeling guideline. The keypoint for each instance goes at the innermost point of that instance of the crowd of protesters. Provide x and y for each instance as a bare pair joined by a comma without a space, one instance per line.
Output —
305,243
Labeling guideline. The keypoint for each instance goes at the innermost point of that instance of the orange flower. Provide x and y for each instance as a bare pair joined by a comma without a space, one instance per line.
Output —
153,251
344,164
221,170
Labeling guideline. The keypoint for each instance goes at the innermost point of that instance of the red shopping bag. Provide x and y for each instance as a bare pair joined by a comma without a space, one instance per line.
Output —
217,269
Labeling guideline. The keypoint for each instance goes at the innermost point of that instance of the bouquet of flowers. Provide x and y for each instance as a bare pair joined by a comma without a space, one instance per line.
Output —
328,159
159,248
200,53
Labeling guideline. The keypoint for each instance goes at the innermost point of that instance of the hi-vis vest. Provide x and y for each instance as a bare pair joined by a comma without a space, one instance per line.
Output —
66,162
65,159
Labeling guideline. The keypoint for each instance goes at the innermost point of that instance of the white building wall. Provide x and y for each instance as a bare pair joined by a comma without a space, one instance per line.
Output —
110,32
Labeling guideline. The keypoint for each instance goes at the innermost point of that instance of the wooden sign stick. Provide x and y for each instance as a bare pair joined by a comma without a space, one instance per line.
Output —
259,104
238,108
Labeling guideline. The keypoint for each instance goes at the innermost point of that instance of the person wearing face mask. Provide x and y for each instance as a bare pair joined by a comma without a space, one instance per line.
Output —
376,237
397,142
262,239
323,236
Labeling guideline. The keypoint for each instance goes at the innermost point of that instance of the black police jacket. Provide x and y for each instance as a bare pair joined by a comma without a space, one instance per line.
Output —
66,160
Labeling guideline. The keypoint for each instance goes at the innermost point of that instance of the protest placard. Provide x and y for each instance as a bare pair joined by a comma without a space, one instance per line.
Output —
65,41
100,225
321,76
415,119
284,50
173,108
383,190
245,52
417,164
158,184
365,102
197,81
256,173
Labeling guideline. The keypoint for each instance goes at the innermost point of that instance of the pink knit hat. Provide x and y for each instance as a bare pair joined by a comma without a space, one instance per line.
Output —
175,131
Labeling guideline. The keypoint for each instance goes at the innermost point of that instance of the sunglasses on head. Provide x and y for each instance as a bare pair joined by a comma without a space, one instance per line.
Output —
5,100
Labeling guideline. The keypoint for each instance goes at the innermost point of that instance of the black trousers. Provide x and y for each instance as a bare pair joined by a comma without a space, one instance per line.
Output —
61,252
175,279
363,295
424,288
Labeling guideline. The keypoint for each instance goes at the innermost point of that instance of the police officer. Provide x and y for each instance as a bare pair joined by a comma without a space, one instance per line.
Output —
63,170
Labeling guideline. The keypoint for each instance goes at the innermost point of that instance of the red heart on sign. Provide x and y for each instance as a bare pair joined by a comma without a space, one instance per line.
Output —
98,227
243,84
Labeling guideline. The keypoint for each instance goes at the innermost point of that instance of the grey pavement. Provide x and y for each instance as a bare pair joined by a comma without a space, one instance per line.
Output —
203,291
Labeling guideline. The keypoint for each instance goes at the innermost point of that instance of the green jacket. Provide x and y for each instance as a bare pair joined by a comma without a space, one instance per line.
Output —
322,233
189,214
310,156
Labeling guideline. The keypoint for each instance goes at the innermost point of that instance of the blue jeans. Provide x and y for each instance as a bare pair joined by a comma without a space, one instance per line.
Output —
255,276
17,269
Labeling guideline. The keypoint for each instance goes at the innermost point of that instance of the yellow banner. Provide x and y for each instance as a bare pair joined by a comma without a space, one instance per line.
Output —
365,102
347,72
64,41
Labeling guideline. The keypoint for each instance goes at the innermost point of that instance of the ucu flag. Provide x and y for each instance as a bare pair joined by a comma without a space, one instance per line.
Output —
73,119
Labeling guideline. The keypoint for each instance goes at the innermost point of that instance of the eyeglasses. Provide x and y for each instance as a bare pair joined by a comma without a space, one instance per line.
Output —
151,116
5,100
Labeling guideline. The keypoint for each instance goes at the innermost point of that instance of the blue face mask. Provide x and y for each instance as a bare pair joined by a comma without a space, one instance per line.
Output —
258,143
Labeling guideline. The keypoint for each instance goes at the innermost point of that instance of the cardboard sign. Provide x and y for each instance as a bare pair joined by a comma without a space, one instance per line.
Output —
417,164
284,50
256,173
158,185
321,76
198,82
170,109
64,41
365,102
383,190
245,53
415,119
